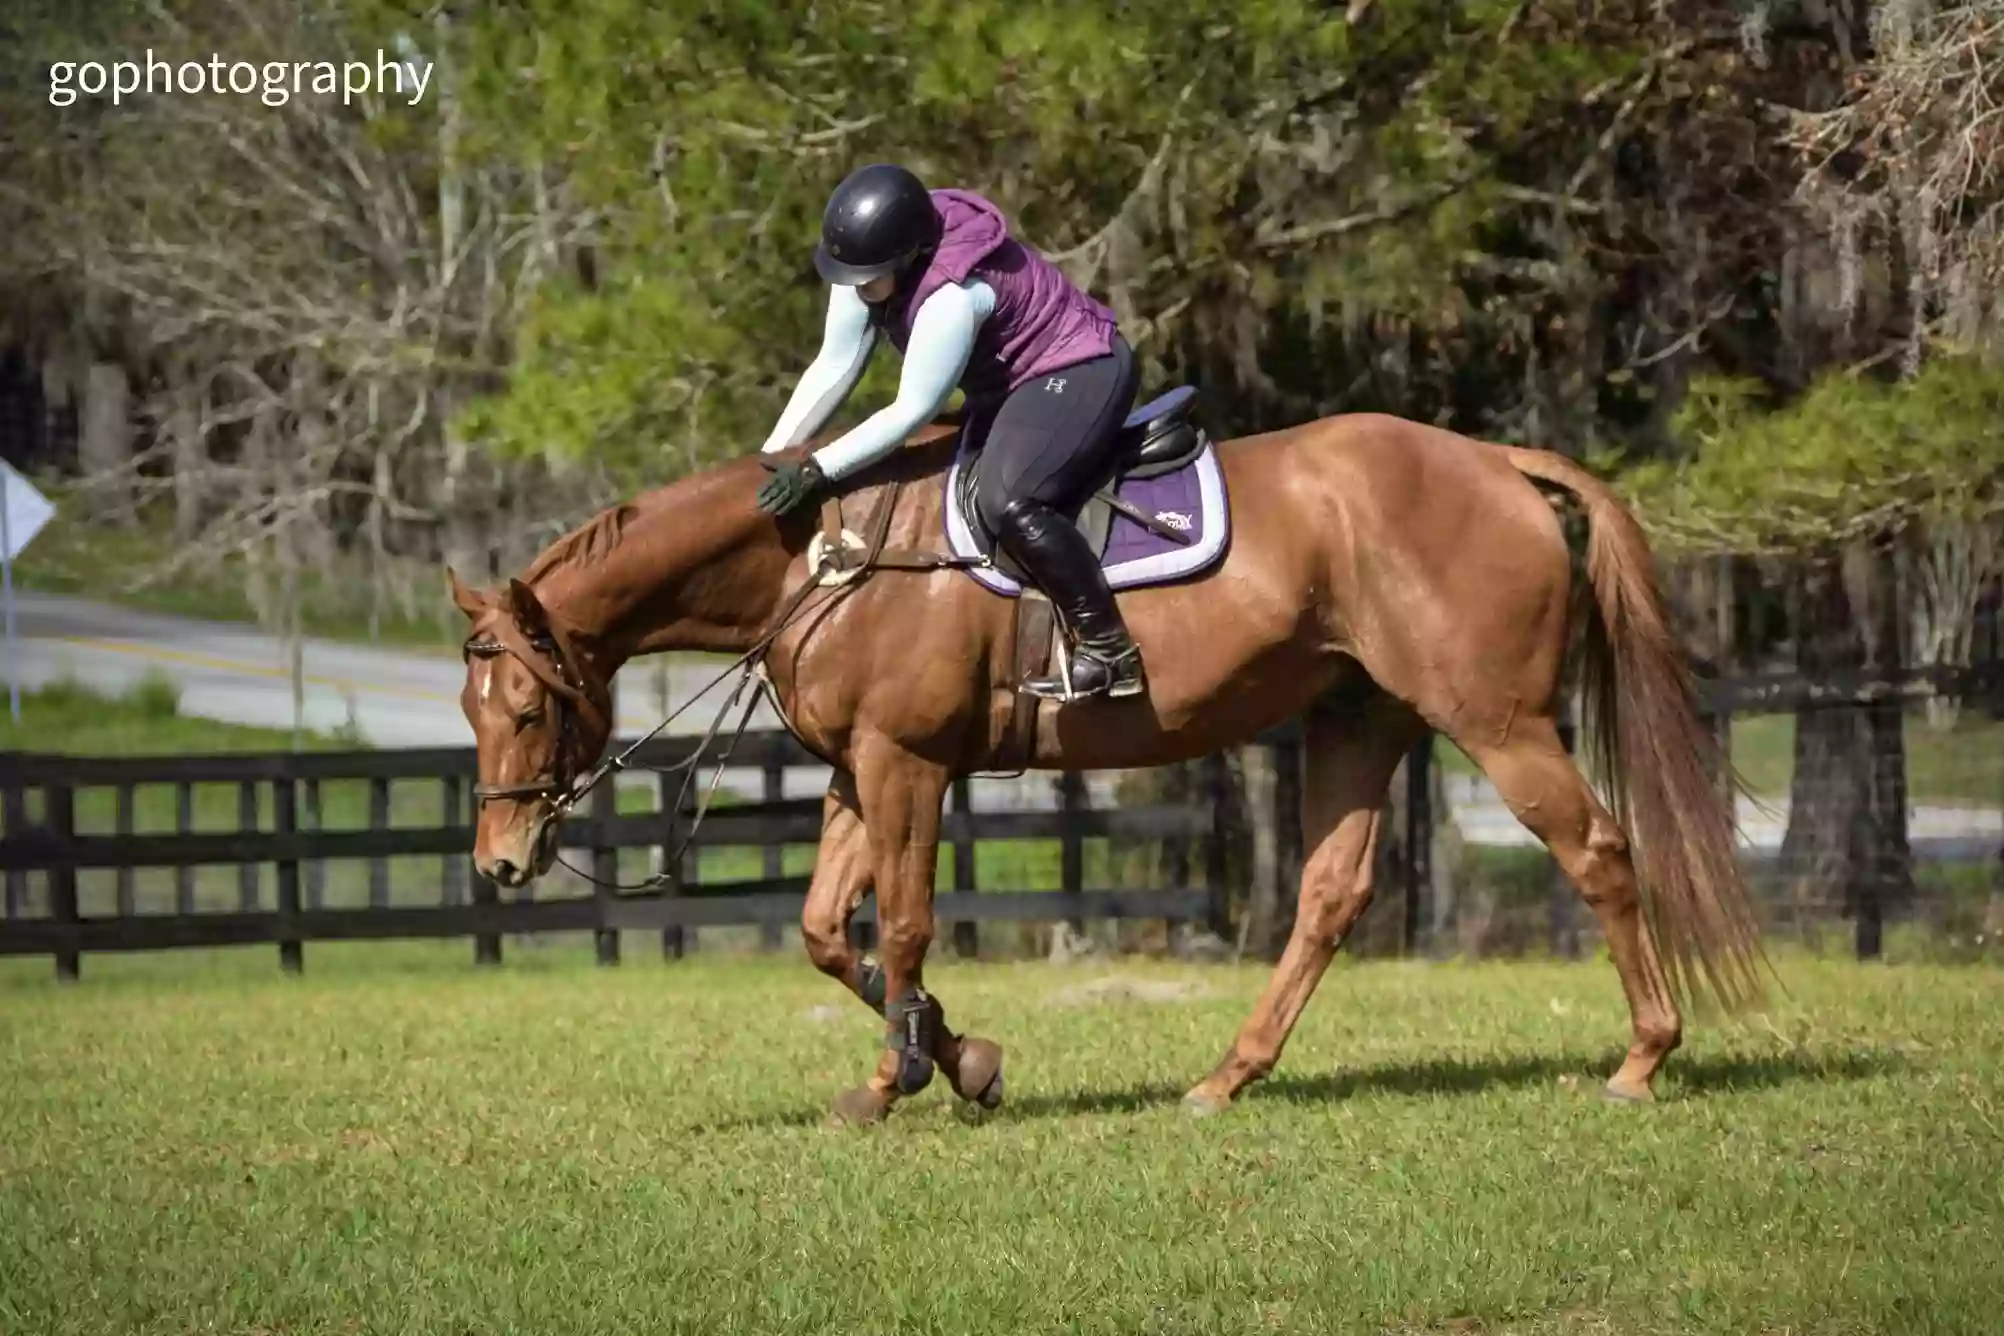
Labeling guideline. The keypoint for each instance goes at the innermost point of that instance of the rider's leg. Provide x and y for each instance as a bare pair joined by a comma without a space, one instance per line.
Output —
1043,453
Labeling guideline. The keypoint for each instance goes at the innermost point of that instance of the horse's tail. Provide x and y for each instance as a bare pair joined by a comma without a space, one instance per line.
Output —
1654,756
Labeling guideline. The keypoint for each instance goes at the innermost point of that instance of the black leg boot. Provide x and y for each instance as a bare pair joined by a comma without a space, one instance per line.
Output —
1056,556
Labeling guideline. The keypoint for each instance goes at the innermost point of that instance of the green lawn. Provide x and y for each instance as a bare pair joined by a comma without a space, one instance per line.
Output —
398,1142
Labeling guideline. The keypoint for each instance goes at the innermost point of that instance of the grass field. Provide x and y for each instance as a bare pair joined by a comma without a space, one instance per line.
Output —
397,1142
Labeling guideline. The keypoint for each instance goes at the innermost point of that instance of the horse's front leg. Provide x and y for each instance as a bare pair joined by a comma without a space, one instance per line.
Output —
844,867
842,873
901,796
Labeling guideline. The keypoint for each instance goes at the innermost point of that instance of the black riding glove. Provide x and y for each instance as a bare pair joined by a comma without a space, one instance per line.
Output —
791,486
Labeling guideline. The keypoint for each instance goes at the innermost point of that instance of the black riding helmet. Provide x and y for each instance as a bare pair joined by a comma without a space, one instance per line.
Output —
877,219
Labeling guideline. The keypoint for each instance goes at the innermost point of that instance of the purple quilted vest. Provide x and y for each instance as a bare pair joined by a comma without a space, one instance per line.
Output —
1042,321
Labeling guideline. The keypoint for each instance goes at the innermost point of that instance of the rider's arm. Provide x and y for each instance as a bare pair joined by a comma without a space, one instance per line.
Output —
847,340
941,342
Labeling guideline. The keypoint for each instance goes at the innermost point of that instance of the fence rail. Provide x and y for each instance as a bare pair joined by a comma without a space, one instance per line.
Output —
279,801
274,808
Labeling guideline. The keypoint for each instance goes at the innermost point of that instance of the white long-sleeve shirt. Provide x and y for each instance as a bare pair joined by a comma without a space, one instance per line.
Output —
942,341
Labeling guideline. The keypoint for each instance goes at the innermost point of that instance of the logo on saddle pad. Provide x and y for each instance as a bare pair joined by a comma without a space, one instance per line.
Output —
1175,519
1055,384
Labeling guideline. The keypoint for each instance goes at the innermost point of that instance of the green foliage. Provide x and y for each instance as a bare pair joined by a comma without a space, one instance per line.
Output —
1853,458
706,143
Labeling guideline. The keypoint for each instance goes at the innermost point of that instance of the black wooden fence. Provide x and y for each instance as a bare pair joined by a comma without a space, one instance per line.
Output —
382,877
280,824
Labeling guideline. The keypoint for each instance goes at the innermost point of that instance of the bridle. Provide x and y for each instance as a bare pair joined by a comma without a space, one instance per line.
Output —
552,659
551,656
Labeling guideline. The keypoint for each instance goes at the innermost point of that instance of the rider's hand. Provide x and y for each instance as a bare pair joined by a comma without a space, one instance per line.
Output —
792,485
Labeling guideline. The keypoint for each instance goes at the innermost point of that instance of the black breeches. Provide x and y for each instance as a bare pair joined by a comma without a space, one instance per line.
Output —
1050,440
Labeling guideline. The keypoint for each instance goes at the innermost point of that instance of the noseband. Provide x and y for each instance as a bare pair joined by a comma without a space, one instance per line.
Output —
549,656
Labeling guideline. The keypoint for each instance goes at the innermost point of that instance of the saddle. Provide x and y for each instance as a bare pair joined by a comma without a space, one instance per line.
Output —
1159,514
1158,438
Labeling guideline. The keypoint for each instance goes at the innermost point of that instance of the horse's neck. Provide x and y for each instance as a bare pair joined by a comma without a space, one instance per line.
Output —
696,568
700,567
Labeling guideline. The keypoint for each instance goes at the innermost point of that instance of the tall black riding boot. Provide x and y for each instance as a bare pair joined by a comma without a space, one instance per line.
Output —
1058,559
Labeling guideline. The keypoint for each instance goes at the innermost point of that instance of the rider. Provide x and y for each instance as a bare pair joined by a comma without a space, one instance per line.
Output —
1047,376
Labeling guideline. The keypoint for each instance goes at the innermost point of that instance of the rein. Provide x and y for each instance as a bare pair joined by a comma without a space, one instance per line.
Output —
550,659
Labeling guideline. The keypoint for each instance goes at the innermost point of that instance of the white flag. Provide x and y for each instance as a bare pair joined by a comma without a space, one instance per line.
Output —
27,510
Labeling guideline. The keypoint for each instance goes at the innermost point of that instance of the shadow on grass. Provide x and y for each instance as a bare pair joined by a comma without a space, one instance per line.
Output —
1696,1077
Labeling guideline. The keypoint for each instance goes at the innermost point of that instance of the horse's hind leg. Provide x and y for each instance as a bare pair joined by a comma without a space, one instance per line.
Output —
1348,760
1542,785
844,867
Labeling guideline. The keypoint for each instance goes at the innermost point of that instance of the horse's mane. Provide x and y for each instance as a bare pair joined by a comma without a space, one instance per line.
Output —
925,451
585,545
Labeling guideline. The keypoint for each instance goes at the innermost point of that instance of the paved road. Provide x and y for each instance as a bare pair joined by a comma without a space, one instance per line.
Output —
394,697
409,698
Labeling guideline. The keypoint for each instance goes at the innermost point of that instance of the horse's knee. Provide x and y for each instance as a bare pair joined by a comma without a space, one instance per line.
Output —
827,943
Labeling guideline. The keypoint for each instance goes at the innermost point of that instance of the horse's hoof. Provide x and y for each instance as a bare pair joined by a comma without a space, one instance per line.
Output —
861,1107
1201,1104
978,1080
1622,1092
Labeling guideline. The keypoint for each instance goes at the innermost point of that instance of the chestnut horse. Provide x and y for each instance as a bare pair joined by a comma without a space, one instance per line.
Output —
1384,578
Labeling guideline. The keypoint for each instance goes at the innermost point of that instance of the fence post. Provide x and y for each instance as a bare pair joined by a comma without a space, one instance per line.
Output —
1071,845
1870,942
452,872
1565,900
284,821
247,878
966,935
1418,840
122,824
379,819
773,789
486,945
60,801
1176,849
184,824
14,808
1214,782
673,942
316,869
604,868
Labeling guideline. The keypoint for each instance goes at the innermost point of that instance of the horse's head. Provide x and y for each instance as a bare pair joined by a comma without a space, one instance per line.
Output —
540,717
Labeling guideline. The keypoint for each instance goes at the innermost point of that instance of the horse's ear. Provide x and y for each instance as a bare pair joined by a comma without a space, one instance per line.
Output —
469,601
528,610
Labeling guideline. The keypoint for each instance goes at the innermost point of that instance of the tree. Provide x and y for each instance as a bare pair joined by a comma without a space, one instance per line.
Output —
1851,481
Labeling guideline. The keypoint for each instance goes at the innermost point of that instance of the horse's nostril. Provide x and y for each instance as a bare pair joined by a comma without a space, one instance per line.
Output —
504,872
